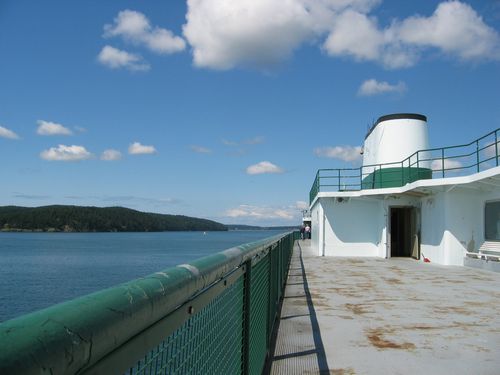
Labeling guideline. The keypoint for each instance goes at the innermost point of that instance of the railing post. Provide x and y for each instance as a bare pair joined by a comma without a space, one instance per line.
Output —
408,177
496,146
361,178
442,160
281,247
338,189
246,318
418,166
402,173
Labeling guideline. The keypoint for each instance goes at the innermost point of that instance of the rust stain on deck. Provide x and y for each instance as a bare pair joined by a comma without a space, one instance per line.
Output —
375,336
357,308
354,261
342,371
452,310
393,281
422,327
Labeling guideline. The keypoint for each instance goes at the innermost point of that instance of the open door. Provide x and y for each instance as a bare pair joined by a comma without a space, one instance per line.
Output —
404,232
415,232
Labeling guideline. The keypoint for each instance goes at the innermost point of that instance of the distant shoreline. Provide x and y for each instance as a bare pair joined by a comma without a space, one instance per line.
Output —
84,219
14,230
53,230
88,219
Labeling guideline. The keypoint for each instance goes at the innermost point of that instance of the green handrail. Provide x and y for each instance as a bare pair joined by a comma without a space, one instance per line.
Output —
401,177
127,327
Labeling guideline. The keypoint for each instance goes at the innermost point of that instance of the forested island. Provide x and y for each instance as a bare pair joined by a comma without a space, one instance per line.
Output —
60,218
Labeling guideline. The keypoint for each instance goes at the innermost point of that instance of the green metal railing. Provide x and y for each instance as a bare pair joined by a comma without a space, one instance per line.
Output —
215,315
453,161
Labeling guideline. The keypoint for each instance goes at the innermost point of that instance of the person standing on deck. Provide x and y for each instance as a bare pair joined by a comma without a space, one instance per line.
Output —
308,232
302,231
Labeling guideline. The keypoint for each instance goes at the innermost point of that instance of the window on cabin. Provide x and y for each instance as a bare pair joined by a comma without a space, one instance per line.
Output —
492,221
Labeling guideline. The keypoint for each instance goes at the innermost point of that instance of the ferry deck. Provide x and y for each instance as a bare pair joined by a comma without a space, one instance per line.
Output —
366,315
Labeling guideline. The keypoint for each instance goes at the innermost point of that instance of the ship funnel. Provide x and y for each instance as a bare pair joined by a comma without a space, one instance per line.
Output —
391,140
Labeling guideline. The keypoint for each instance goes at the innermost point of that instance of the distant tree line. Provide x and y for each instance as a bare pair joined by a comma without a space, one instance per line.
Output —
97,219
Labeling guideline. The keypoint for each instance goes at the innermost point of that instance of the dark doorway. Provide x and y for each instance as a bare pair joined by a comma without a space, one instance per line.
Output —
404,232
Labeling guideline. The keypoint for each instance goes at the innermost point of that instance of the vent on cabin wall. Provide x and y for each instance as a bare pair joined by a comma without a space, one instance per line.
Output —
342,200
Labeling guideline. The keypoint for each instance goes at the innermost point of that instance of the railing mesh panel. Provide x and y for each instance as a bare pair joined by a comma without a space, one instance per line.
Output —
209,342
274,287
259,302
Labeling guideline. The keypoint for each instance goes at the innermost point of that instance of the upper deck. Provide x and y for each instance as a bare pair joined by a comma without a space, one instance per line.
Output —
463,160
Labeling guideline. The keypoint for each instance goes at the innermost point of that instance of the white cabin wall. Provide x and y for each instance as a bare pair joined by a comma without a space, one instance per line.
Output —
316,226
451,222
382,224
432,228
352,227
463,221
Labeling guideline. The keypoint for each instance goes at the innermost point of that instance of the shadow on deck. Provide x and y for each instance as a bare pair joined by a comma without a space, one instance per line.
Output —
298,347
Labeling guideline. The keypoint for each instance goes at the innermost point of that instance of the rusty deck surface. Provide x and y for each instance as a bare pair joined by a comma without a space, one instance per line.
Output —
387,316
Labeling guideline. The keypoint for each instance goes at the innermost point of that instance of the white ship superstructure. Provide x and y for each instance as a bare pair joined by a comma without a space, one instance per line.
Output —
407,200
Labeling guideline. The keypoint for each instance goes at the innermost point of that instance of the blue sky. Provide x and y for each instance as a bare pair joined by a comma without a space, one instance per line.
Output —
225,110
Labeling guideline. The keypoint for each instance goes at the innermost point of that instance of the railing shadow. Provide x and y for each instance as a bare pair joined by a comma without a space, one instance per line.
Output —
319,349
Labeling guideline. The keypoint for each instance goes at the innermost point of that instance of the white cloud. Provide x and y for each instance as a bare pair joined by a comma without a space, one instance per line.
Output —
254,141
455,28
259,33
373,87
360,5
489,149
241,147
262,33
136,148
31,196
114,58
301,205
200,149
249,141
229,143
261,213
354,34
267,215
358,35
66,153
264,167
135,27
131,201
51,128
80,129
437,165
7,133
345,153
111,155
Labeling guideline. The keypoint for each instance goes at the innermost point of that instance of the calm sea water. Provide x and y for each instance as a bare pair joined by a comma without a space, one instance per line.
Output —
38,270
